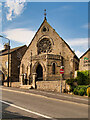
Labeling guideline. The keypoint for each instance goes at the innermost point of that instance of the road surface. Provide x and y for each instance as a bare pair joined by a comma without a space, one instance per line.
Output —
23,105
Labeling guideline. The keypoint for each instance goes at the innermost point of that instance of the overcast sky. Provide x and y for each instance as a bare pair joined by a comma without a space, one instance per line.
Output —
20,21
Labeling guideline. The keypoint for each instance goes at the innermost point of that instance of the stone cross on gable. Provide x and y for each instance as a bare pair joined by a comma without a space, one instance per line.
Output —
45,14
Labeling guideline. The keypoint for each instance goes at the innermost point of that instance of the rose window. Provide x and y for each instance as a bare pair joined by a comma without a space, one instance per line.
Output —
44,46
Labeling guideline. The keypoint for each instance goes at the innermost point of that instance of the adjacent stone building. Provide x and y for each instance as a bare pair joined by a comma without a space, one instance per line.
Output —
15,56
47,52
85,61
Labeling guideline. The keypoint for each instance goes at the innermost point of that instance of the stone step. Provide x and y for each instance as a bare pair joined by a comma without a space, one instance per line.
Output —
25,86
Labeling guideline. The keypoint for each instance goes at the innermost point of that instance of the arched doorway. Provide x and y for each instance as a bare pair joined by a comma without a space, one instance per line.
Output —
39,72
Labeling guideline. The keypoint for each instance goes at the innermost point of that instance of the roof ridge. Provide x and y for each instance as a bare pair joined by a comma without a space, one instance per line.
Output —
4,52
85,52
18,47
45,20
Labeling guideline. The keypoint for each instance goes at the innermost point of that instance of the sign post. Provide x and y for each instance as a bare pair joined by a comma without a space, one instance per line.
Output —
61,72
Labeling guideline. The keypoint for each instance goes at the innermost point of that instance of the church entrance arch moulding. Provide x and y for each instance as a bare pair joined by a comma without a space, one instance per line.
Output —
39,73
38,66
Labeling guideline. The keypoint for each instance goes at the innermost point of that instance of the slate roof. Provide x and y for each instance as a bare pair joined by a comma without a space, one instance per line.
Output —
5,52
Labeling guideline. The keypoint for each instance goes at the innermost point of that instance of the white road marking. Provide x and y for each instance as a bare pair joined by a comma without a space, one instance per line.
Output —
44,97
27,110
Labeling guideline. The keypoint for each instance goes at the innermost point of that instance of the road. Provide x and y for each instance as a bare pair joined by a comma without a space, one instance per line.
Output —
18,104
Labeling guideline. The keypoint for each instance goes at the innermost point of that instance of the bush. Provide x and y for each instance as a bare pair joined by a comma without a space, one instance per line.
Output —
72,88
80,90
75,91
71,83
83,78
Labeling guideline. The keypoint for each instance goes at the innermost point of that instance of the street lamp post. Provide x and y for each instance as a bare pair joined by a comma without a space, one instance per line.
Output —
8,60
8,57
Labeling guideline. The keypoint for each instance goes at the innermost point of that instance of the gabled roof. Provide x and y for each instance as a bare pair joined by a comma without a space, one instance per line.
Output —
5,52
45,20
85,53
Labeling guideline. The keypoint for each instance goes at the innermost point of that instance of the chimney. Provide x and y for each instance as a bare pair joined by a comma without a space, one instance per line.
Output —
6,46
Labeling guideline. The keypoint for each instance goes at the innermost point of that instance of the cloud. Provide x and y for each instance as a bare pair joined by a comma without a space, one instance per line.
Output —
0,20
0,16
66,7
79,45
20,35
86,26
25,36
15,8
0,4
78,42
78,53
1,46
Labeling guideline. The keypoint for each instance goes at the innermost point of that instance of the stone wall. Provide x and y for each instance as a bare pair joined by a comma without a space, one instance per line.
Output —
51,85
15,63
12,84
4,64
85,62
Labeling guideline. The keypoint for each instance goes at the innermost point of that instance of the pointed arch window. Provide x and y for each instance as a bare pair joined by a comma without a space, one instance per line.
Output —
23,69
53,68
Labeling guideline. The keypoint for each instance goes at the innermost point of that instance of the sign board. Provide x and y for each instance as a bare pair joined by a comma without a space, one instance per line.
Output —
61,71
86,62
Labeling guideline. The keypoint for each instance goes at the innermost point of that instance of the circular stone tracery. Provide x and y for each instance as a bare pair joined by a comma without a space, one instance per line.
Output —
44,46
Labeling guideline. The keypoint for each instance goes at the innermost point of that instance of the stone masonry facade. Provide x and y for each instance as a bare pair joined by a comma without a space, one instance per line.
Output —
85,61
15,56
46,53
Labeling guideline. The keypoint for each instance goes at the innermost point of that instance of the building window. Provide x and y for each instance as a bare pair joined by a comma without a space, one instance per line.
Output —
76,66
44,29
53,68
23,69
44,46
62,61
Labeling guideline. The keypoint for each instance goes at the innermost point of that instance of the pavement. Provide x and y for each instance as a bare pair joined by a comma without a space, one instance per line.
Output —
34,104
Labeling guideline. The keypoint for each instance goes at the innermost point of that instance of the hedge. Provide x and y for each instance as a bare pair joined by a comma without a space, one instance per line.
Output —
83,77
71,83
80,90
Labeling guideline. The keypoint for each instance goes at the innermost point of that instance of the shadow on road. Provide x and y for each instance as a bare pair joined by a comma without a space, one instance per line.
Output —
7,114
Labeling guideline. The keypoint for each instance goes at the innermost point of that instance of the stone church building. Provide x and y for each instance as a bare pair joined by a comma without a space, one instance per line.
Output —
47,52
